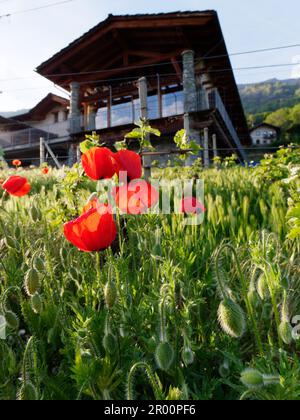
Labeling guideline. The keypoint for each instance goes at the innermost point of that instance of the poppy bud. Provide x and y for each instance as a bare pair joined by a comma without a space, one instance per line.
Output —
285,332
36,303
232,318
174,394
224,369
252,379
110,294
262,287
253,298
74,274
10,242
86,356
178,297
32,282
28,392
17,232
39,264
188,356
109,343
35,214
164,356
63,254
151,344
12,320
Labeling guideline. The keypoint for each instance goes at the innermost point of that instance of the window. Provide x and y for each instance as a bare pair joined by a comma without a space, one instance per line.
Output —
65,115
56,117
257,142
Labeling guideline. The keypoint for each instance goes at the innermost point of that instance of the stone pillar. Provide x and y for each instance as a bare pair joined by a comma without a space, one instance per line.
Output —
189,82
91,117
190,98
215,146
143,95
75,114
206,148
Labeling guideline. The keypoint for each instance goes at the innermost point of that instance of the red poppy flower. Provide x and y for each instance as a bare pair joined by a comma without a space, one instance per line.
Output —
17,186
95,204
99,163
129,162
93,231
191,205
16,162
45,171
136,197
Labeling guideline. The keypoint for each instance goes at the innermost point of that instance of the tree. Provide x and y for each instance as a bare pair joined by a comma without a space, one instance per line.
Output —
281,118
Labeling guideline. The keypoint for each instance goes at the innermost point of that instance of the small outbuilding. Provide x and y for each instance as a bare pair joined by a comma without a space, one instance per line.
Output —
264,134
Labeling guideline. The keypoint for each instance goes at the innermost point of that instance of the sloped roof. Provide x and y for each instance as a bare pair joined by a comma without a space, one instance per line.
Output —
111,19
278,129
39,112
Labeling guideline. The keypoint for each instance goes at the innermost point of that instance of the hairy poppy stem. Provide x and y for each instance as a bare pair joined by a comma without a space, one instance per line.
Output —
5,194
98,267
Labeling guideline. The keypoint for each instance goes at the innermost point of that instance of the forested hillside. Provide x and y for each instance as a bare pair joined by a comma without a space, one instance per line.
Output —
276,102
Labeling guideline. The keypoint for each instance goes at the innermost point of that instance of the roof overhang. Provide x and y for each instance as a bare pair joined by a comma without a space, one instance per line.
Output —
123,48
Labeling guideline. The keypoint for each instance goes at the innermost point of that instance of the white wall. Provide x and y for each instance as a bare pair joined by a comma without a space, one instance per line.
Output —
60,128
258,136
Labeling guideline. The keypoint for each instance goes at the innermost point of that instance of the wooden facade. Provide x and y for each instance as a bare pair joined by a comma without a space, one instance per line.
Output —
189,79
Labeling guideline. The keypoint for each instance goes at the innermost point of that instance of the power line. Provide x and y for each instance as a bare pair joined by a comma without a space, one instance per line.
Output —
283,47
18,12
224,70
164,63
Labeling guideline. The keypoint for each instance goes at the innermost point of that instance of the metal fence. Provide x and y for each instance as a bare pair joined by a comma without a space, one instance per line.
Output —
31,136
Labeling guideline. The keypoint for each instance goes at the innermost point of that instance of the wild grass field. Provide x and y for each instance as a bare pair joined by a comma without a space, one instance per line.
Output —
170,311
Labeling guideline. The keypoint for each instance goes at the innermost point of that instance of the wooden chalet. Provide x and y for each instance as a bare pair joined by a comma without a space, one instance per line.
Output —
172,68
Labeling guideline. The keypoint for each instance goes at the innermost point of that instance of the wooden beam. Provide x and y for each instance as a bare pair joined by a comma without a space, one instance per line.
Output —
151,23
146,53
177,68
130,89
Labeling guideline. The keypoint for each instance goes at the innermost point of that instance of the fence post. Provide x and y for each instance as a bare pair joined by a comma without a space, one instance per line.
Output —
215,148
78,154
159,98
143,94
42,151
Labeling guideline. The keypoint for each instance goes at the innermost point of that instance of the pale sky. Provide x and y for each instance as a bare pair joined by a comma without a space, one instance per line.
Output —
30,38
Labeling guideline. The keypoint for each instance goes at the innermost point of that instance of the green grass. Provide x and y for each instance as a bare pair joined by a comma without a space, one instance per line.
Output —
170,280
